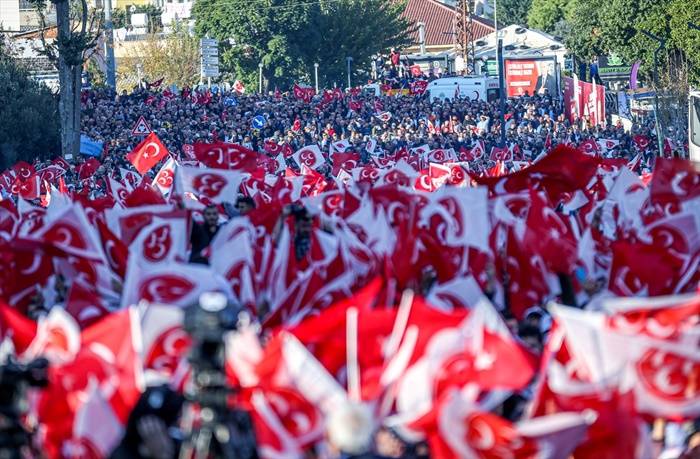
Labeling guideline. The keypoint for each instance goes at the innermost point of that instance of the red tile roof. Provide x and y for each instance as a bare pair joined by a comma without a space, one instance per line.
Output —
438,19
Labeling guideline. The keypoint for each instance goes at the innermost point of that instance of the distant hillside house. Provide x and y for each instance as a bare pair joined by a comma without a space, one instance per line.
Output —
434,24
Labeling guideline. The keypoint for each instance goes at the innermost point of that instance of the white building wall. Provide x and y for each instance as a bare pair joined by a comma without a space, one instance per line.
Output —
9,15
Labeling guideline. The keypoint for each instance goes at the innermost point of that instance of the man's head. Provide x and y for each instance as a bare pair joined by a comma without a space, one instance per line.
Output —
245,204
211,215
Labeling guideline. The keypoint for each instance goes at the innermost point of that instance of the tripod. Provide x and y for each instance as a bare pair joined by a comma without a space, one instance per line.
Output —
220,432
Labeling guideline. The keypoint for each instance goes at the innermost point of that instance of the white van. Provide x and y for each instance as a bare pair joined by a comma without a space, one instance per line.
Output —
477,87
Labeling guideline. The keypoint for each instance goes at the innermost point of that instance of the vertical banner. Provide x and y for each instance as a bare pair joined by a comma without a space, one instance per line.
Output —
530,76
584,100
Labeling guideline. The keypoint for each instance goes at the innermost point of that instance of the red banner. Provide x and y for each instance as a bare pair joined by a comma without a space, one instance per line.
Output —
584,100
530,76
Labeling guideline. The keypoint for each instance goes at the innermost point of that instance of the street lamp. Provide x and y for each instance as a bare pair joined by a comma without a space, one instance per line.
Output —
316,76
260,67
349,60
662,44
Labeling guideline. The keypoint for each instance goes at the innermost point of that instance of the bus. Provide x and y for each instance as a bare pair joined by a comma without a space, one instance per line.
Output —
694,126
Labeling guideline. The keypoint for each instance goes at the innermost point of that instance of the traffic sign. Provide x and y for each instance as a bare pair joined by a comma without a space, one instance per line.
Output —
258,122
209,62
209,42
141,127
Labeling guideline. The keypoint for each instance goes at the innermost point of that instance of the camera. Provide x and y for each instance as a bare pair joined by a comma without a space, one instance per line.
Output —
223,430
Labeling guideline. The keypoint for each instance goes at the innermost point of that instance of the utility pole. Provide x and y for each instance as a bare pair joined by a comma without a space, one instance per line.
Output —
349,59
260,67
501,91
662,45
109,46
316,76
465,34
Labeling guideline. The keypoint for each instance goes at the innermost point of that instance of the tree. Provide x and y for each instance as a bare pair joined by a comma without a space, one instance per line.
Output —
28,115
288,37
121,17
513,12
78,30
173,57
356,29
544,14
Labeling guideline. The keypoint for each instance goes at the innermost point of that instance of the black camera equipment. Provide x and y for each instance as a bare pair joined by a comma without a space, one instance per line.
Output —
15,377
220,430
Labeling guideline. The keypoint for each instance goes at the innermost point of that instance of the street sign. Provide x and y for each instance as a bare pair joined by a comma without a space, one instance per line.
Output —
141,127
209,50
258,122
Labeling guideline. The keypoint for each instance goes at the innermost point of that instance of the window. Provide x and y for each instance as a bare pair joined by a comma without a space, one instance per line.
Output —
492,94
695,120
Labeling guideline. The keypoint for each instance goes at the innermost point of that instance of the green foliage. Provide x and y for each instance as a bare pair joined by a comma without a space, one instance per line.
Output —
600,27
513,12
28,115
545,14
173,57
120,17
288,37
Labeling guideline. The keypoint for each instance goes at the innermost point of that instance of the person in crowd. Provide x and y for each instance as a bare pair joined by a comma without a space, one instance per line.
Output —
203,233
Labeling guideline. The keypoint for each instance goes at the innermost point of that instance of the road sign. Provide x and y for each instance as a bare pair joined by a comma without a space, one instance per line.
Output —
209,48
258,122
141,127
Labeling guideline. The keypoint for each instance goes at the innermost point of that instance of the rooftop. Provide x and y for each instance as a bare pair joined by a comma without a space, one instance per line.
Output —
439,22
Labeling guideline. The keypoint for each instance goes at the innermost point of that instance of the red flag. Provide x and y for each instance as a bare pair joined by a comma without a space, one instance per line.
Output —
147,153
28,189
51,173
62,163
220,155
85,304
590,147
272,147
89,398
304,94
238,87
501,154
641,142
23,169
347,161
88,168
155,84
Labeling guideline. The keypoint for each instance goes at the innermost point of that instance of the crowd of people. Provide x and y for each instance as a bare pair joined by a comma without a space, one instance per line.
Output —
398,300
415,120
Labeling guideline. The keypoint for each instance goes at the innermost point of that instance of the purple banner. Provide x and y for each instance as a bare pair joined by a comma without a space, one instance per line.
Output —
633,75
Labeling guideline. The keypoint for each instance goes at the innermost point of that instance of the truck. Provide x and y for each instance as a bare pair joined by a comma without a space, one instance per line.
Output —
483,88
694,126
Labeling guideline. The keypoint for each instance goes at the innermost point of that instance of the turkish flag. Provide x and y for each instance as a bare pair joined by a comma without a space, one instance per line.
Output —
27,188
147,153
88,168
272,147
23,169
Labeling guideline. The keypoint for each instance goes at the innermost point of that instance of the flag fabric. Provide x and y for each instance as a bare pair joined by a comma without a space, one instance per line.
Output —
238,87
309,156
147,153
90,147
